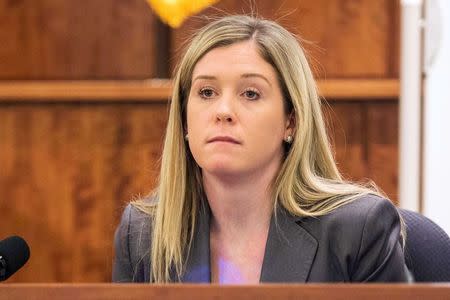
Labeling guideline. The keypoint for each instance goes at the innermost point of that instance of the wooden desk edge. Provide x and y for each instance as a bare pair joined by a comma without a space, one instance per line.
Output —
201,291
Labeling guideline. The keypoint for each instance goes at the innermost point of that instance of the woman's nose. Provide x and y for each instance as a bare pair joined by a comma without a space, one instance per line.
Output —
225,110
223,117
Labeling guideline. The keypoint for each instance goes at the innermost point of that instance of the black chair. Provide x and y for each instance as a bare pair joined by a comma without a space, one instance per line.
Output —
427,248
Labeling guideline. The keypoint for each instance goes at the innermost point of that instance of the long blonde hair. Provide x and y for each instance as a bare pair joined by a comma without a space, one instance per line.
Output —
308,183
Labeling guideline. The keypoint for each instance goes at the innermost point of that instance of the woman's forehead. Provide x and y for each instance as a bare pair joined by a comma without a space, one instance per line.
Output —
242,57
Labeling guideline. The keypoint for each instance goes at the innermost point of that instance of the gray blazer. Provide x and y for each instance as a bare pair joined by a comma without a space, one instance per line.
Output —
357,242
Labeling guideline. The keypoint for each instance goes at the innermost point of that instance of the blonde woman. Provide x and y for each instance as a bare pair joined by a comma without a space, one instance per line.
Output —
249,190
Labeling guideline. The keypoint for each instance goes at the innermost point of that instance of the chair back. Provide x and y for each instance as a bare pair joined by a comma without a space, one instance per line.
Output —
427,248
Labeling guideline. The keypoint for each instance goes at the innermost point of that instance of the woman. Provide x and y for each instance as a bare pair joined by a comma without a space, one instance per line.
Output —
249,190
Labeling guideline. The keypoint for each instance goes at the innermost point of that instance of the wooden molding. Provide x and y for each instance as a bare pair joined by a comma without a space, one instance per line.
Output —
92,90
159,90
359,89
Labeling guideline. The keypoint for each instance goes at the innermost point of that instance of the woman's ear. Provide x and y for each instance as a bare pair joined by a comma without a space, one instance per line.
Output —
290,124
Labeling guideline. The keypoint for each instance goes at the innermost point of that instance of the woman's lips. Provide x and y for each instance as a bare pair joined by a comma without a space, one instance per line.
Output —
226,139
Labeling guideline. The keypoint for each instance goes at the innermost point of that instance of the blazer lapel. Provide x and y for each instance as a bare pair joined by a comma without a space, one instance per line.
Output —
198,268
289,252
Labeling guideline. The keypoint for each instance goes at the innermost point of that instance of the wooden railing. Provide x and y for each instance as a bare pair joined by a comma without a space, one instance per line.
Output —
160,89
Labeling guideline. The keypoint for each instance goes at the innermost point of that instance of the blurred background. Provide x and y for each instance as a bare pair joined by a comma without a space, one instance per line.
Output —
84,89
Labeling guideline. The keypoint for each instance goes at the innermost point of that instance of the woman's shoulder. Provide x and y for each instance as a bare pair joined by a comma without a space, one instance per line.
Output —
133,214
364,238
131,243
363,208
134,228
364,216
137,215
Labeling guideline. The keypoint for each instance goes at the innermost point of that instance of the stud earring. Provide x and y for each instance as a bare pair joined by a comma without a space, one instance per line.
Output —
186,137
289,139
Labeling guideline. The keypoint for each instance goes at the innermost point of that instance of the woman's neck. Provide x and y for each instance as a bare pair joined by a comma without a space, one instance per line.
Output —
239,205
241,211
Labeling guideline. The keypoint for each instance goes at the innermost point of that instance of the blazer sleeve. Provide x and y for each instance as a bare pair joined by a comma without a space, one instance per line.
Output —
380,256
122,266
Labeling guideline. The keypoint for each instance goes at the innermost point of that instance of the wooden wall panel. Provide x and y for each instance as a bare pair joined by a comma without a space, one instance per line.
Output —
356,39
71,39
345,127
365,139
66,172
383,156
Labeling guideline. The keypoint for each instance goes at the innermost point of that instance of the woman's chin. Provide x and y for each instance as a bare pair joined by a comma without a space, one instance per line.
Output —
223,169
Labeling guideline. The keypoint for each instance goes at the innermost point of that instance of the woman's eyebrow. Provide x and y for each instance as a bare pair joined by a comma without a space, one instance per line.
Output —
207,77
247,75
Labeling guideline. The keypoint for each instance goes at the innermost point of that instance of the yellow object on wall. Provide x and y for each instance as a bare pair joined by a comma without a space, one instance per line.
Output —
174,12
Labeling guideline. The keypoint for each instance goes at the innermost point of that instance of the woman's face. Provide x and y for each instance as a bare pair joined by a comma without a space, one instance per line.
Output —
236,120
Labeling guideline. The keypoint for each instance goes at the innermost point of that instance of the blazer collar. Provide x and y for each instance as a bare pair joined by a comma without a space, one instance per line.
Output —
290,250
289,253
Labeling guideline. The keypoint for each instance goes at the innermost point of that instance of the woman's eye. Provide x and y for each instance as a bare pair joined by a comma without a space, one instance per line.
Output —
206,93
251,94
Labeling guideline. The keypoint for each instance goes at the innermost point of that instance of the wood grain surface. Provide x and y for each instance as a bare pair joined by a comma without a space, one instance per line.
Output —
150,90
252,292
343,38
365,139
71,39
66,173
